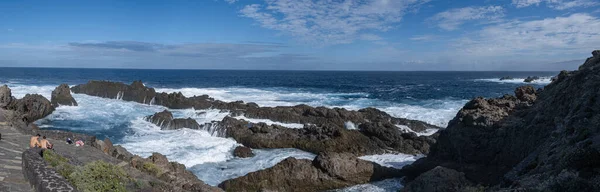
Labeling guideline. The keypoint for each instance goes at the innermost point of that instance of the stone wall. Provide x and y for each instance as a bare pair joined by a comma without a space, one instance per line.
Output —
40,176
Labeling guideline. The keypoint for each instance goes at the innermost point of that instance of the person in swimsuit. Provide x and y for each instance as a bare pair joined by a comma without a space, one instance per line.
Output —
33,142
45,143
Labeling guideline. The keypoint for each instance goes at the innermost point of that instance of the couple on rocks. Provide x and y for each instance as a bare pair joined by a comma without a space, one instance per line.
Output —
44,143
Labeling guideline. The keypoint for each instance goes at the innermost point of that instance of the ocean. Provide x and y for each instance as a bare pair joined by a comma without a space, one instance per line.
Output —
433,97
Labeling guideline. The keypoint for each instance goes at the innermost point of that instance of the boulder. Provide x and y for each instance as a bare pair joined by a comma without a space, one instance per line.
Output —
62,96
5,96
325,172
166,121
31,108
171,172
243,152
439,179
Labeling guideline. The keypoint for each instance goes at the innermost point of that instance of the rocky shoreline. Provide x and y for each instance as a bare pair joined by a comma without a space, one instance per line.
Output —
541,140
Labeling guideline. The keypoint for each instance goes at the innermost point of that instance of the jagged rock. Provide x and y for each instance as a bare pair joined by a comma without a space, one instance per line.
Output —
166,121
325,172
121,153
172,172
326,138
62,96
243,152
302,114
548,145
531,79
5,96
506,78
31,108
439,179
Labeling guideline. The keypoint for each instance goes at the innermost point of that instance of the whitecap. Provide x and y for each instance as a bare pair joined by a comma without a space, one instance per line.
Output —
541,81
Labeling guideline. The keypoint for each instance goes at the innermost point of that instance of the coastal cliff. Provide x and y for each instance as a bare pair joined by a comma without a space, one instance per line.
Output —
544,140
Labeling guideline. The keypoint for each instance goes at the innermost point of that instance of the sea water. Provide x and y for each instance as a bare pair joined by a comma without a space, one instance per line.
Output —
433,97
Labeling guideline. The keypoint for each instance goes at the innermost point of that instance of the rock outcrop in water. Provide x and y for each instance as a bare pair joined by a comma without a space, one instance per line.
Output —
531,79
302,114
371,138
62,96
547,140
5,96
327,171
166,121
243,152
21,112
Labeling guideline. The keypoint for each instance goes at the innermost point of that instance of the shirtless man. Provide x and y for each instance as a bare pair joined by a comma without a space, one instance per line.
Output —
33,142
45,143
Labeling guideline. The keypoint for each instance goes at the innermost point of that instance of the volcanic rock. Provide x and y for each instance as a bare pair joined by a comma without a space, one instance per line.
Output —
439,179
325,172
531,79
511,143
506,78
243,152
62,96
5,96
166,121
30,108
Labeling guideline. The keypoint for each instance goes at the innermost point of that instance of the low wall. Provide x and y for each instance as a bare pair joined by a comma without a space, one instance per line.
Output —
42,177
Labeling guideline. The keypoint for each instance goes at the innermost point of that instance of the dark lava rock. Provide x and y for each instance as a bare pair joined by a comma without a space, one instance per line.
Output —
326,138
243,152
325,172
31,108
302,114
511,143
531,79
172,173
166,121
5,96
62,96
506,78
439,179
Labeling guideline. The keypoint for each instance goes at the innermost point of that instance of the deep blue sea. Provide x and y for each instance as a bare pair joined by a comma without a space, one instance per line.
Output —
433,97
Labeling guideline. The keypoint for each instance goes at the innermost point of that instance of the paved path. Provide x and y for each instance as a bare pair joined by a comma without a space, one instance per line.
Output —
12,145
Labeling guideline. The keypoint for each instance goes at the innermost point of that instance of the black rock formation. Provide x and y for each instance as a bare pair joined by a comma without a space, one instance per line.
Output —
62,96
166,121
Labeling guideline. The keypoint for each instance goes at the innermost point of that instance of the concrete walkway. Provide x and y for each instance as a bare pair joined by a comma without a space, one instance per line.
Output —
12,145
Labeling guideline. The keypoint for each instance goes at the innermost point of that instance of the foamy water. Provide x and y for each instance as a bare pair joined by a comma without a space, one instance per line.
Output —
541,81
210,157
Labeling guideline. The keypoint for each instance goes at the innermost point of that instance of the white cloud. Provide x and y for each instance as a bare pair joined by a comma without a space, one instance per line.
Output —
556,4
454,18
231,1
577,33
423,37
330,22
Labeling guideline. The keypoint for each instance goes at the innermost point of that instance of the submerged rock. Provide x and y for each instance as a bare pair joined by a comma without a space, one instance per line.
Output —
166,121
327,171
243,152
543,141
506,78
531,79
62,96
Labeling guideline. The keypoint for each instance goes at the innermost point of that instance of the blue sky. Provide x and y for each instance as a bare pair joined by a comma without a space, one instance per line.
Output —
300,34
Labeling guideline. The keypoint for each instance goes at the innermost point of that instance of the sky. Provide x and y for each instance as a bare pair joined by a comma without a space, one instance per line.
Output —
381,35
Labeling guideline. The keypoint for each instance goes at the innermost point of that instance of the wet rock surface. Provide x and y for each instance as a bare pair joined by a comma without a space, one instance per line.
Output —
326,138
439,179
62,96
302,114
243,152
543,140
327,171
166,121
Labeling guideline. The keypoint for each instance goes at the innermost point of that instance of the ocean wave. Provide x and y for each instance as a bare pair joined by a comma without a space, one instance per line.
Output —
379,186
541,81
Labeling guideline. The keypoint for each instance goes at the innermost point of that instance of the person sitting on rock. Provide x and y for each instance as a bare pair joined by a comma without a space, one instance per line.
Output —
33,142
69,141
79,143
45,143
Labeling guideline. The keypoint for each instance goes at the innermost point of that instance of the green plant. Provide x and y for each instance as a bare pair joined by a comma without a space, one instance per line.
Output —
60,163
99,176
53,158
151,168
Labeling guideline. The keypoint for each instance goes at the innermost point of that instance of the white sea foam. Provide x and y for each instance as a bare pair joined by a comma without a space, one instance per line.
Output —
19,90
186,146
541,81
427,132
350,125
215,173
436,112
392,160
387,185
269,122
